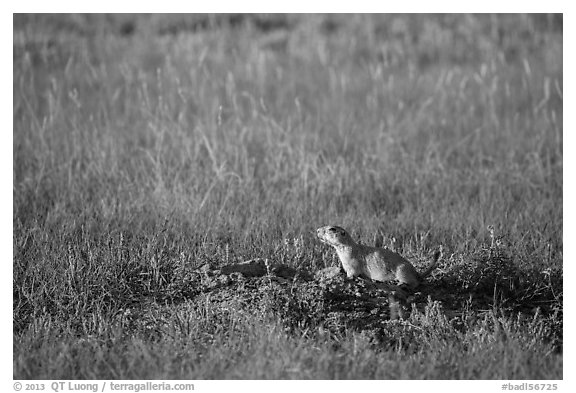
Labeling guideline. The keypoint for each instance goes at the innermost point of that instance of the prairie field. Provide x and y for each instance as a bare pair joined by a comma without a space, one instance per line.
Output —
148,146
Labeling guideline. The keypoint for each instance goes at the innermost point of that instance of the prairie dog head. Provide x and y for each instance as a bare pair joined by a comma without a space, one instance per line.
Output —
334,236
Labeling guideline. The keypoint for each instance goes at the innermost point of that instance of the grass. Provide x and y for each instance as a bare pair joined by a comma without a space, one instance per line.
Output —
147,145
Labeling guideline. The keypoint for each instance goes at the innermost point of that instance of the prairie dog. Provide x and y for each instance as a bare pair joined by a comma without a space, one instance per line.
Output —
378,264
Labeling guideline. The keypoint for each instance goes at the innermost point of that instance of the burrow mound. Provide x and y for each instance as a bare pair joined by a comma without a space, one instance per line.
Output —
300,299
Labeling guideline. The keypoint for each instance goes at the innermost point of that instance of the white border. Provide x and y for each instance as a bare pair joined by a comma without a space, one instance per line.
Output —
299,6
295,6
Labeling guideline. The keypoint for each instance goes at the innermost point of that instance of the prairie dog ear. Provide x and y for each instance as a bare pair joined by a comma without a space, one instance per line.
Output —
341,231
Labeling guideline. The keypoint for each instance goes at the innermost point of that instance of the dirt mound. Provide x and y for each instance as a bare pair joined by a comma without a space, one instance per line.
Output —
300,299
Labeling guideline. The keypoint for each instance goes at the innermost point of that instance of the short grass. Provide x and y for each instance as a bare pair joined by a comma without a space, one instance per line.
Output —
144,146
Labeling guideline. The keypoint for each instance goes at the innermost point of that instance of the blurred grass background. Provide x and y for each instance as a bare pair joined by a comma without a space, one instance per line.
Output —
144,143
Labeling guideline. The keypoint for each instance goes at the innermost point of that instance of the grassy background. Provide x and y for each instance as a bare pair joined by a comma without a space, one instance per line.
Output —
146,145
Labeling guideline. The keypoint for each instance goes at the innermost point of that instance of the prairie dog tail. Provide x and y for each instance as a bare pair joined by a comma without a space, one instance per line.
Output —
437,256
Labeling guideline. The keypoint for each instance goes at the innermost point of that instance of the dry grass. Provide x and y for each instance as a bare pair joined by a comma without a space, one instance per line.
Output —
147,145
